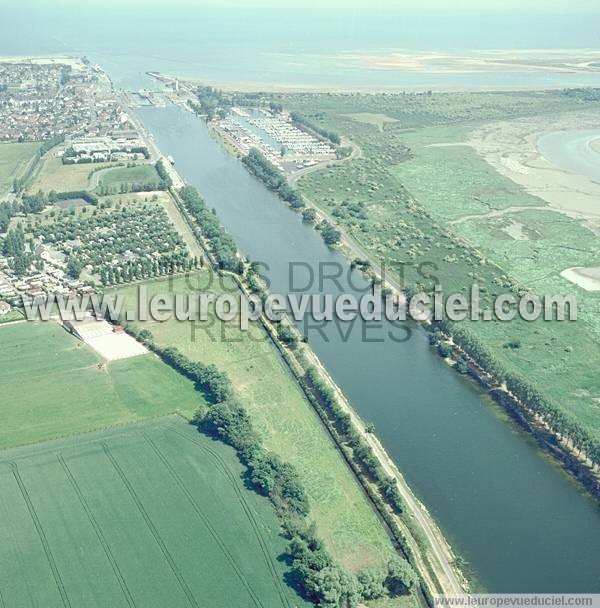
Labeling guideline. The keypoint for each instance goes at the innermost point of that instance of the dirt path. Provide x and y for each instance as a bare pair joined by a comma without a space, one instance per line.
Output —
95,178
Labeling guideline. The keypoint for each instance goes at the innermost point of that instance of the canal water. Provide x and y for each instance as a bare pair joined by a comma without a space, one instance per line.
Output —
518,520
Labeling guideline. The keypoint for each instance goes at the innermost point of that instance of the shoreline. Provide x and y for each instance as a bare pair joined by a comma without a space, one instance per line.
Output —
241,86
510,147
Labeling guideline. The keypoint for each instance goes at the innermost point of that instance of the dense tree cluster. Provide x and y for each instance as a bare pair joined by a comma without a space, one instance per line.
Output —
8,210
211,102
287,335
13,247
309,215
331,235
120,246
272,177
223,246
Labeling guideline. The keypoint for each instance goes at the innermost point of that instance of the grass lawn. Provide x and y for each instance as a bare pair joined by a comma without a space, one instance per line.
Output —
286,423
64,178
53,385
152,514
128,176
14,159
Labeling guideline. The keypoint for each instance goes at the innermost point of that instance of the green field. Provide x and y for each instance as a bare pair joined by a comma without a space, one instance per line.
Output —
14,159
53,175
54,386
119,177
377,120
14,315
153,515
287,424
408,202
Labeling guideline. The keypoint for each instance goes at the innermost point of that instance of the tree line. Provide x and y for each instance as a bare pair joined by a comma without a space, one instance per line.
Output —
19,183
314,572
166,180
13,247
302,121
221,243
272,177
571,431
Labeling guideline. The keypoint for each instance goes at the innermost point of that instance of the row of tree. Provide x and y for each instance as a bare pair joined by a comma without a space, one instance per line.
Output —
19,183
163,174
314,571
223,246
88,197
166,264
523,390
302,121
13,247
272,177
362,452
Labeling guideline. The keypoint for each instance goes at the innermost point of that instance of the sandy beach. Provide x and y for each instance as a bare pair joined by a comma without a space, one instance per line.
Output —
243,86
511,148
42,59
586,278
501,60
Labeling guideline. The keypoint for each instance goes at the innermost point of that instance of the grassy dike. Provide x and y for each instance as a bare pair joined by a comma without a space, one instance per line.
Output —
374,469
287,428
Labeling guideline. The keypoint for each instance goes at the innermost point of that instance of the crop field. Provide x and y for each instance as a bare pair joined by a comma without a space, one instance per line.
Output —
153,514
286,422
408,202
127,176
53,385
14,159
53,175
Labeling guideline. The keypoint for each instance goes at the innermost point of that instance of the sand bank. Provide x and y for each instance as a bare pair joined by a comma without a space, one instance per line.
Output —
511,148
586,278
506,60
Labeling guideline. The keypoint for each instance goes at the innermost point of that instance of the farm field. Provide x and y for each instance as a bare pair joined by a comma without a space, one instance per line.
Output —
153,514
287,424
125,177
14,158
53,385
53,175
407,202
